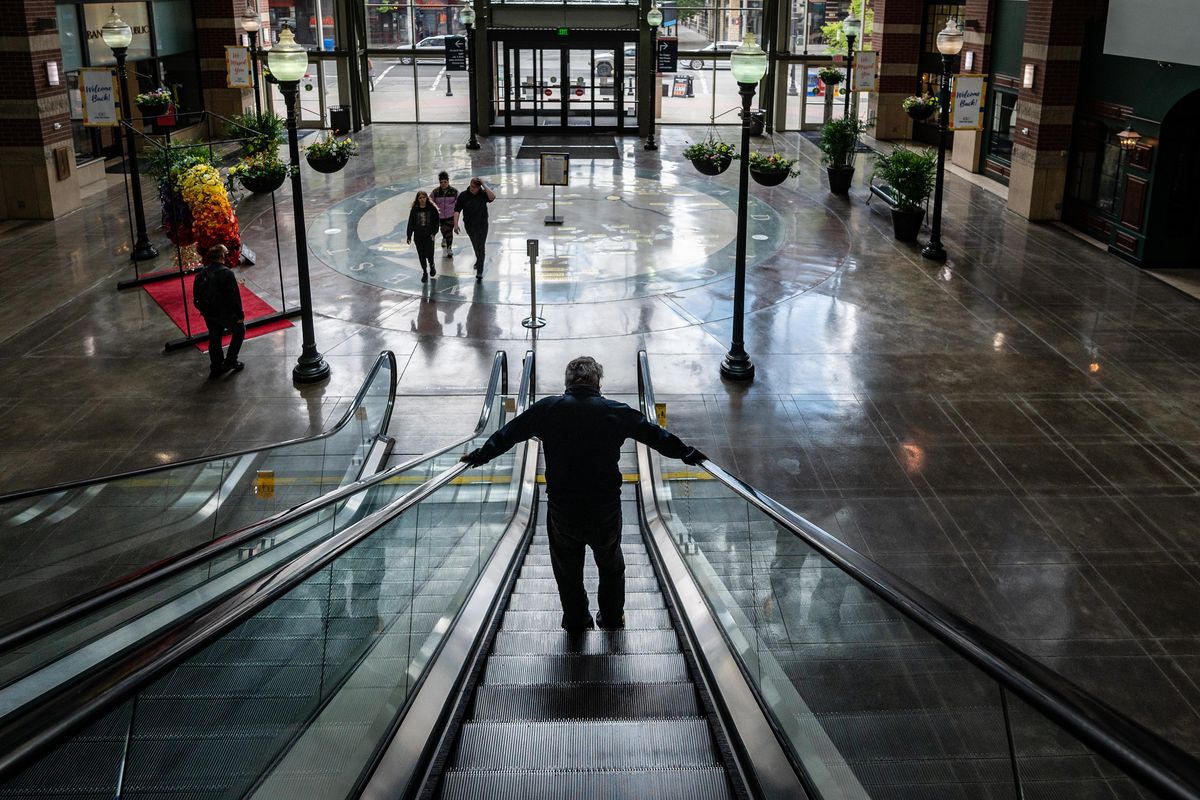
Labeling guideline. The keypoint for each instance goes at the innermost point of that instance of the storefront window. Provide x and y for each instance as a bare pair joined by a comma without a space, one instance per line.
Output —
1000,142
1094,162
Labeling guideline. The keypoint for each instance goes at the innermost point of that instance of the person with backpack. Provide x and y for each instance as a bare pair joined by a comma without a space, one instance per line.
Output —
444,197
216,296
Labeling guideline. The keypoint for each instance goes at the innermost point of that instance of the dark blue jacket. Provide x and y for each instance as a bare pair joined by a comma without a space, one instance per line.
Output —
582,434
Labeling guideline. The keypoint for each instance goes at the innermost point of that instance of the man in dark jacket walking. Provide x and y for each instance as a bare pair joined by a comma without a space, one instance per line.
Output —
582,433
216,295
471,208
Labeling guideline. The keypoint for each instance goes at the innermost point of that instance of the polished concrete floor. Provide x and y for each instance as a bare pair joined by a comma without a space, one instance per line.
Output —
1014,431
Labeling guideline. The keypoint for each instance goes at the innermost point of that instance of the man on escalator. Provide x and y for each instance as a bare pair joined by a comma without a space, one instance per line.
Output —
582,433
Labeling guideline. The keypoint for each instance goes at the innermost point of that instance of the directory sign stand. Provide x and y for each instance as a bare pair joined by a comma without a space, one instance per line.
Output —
555,168
533,320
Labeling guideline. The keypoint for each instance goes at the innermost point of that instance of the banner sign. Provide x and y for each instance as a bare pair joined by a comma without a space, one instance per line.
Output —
554,167
966,104
456,54
666,58
237,67
99,89
865,68
136,16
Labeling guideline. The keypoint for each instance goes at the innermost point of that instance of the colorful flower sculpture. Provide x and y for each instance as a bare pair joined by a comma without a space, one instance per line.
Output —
213,220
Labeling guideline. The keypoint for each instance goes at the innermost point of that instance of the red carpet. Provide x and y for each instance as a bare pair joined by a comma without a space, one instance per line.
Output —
166,293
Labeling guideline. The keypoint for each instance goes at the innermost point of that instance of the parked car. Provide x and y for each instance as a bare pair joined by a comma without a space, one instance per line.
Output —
436,44
603,61
714,47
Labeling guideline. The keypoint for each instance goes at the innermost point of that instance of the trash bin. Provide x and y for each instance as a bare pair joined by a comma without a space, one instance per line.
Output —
758,122
339,119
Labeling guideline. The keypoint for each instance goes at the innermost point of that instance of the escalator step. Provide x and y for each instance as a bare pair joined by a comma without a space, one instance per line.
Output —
624,668
703,783
549,602
634,549
543,571
595,642
541,557
645,744
550,620
549,586
560,701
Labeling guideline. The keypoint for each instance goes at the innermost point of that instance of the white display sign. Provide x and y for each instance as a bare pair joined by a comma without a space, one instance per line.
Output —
966,106
555,169
866,63
237,67
135,15
99,89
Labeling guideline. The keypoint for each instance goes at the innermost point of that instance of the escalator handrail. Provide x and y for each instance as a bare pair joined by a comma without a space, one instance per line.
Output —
32,627
385,357
1144,755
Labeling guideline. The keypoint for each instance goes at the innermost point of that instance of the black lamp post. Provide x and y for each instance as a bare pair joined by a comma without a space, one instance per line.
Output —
288,62
949,44
117,34
654,18
467,15
851,27
252,24
748,64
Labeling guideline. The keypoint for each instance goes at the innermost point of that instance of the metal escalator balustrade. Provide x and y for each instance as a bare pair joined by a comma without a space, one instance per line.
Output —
875,689
65,542
288,687
71,642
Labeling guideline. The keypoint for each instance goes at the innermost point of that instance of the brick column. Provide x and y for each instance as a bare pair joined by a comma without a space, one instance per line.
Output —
1054,34
218,23
34,116
977,40
897,39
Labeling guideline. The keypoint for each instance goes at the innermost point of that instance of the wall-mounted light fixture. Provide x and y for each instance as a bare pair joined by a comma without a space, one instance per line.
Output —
968,61
1128,139
1027,79
52,73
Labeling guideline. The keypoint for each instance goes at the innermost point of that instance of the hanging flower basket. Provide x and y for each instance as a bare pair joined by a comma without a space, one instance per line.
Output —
262,184
771,170
327,164
920,107
262,172
712,166
154,103
830,76
710,157
153,109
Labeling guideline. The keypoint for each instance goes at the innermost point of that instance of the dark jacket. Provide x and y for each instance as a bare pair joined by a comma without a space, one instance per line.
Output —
473,206
230,296
432,222
582,433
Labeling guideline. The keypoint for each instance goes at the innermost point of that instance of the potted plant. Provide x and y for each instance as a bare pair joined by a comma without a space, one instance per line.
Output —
771,170
710,157
258,133
909,174
830,76
920,107
330,154
154,103
839,146
261,172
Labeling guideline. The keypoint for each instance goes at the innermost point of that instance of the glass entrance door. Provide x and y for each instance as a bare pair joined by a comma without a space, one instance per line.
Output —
543,88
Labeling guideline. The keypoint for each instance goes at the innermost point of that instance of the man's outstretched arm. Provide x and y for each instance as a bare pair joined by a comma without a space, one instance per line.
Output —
520,428
664,441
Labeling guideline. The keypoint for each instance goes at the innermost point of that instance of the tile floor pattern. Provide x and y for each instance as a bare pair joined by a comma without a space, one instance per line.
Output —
1014,431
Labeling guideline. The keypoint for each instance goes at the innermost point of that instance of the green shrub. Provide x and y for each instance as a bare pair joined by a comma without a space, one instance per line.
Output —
910,174
839,141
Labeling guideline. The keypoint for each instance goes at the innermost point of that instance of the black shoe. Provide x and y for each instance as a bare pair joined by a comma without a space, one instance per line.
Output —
424,277
579,626
605,623
216,372
432,269
234,366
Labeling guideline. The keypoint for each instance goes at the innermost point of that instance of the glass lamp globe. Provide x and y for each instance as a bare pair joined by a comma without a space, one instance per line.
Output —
748,63
852,25
654,17
116,32
287,59
251,23
467,15
950,39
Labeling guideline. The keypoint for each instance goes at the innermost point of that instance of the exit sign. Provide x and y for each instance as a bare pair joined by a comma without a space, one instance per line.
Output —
564,31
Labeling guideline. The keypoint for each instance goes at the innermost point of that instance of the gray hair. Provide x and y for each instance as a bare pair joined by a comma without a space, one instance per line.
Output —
584,369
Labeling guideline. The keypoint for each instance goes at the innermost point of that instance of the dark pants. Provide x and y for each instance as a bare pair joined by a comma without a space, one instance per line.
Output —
478,236
424,251
569,532
447,226
216,329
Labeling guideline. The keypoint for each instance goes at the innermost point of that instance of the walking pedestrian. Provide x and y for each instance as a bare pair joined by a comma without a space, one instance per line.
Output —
471,208
216,296
444,197
422,226
582,433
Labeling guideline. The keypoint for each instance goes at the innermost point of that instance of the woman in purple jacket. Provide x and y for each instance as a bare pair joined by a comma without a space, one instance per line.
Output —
444,197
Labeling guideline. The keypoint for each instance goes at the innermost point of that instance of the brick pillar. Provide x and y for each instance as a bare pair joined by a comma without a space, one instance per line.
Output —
897,39
1054,35
218,23
34,116
977,40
